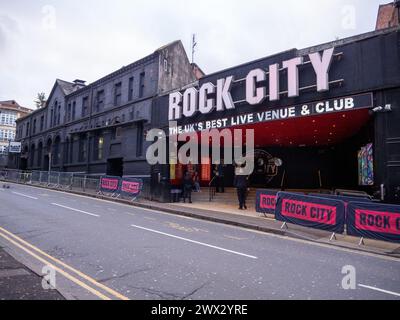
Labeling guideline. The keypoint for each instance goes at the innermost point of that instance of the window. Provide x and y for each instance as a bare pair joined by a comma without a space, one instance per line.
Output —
117,94
66,150
139,140
55,114
32,156
8,119
51,117
141,85
34,126
73,110
27,129
41,123
85,106
130,89
99,100
59,114
7,135
71,149
39,157
98,148
69,108
82,148
165,65
56,156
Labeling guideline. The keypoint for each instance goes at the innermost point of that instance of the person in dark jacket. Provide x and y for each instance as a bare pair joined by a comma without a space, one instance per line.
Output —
241,183
219,172
187,187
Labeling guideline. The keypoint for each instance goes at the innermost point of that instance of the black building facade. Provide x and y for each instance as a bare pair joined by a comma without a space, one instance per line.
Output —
100,128
343,134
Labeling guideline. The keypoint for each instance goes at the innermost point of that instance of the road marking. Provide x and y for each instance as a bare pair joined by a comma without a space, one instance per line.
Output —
77,210
24,195
196,242
62,272
264,234
79,273
235,238
380,290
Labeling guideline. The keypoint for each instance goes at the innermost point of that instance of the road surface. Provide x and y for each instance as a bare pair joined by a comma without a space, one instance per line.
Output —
106,250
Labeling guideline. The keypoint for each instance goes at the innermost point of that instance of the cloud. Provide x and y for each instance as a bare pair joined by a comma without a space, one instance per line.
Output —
44,40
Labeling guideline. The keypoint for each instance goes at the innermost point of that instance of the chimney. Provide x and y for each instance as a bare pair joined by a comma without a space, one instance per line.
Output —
78,84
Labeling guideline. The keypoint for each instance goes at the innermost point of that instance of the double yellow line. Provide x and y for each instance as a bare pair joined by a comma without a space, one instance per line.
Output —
61,268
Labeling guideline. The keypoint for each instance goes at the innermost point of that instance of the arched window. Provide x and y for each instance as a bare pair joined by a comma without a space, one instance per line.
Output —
39,154
32,156
56,151
66,150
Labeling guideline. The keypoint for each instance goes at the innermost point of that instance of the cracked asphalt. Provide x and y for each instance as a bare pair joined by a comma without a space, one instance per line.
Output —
145,254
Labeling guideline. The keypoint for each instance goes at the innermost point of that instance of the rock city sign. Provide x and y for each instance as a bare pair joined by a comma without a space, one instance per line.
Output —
209,97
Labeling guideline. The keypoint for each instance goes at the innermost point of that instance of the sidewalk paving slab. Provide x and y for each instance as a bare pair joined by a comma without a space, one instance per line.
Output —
17,282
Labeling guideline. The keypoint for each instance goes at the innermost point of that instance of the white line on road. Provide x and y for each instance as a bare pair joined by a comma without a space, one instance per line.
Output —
65,207
196,242
380,290
270,235
24,195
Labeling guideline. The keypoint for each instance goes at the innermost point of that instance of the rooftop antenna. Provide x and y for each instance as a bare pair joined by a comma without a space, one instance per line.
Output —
194,44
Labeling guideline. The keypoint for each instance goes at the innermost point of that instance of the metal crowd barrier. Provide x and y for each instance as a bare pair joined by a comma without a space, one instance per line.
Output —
79,182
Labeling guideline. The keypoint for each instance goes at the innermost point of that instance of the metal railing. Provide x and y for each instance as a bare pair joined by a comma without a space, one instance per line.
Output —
212,189
67,181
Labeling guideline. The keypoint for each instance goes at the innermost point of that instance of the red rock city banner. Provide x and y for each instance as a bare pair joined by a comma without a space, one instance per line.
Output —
131,187
313,212
374,221
266,201
109,184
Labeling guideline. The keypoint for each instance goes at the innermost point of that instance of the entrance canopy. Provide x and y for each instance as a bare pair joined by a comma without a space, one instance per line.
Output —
311,131
321,130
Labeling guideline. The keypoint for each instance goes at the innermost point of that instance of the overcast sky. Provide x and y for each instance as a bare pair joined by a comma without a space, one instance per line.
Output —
87,39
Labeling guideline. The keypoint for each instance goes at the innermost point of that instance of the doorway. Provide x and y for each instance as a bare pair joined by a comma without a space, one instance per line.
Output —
115,167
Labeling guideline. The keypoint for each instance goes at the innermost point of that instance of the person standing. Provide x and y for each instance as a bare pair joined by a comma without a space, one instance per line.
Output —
187,187
219,172
196,180
241,183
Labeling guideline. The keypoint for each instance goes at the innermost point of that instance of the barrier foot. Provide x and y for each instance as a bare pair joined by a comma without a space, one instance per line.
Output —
284,226
361,243
333,237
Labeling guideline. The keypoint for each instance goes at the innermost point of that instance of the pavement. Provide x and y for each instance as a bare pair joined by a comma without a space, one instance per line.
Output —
109,250
17,282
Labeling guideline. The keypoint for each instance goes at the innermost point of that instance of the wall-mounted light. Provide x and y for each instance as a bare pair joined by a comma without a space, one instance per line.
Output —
387,108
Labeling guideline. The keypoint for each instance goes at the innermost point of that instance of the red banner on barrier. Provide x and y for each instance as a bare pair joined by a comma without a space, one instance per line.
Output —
130,187
109,184
319,213
267,201
309,211
375,221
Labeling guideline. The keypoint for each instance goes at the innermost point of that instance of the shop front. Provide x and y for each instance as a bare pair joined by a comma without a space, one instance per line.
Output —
323,118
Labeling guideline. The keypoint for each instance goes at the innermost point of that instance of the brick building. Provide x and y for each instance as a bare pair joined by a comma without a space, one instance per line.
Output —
388,15
100,128
10,111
